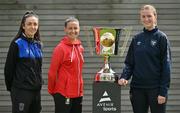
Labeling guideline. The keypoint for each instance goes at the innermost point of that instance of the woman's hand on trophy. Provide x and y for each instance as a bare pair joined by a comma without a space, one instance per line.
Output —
122,82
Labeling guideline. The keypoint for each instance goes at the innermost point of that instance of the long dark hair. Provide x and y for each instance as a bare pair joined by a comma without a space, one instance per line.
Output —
21,30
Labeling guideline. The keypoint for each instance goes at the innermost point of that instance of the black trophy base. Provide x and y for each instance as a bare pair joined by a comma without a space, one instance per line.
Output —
106,97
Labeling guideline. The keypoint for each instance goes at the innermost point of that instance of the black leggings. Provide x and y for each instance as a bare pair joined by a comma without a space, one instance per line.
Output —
64,105
142,99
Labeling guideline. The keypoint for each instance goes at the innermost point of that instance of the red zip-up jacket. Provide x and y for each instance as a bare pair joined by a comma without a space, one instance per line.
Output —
65,72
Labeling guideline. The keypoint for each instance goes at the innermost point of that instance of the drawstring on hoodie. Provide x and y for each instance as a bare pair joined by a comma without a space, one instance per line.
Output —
72,53
81,55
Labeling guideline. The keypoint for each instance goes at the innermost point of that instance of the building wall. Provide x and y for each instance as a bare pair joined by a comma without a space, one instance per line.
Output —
118,13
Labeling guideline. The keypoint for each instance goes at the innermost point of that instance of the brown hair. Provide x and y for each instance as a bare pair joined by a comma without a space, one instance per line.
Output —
21,30
70,19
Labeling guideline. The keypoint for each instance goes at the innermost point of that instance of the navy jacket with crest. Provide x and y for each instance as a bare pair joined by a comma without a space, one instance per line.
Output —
148,61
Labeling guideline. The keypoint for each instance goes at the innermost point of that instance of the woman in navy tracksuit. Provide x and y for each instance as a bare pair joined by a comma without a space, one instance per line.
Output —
148,61
23,67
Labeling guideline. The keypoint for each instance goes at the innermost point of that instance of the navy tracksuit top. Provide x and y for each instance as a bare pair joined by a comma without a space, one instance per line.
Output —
148,61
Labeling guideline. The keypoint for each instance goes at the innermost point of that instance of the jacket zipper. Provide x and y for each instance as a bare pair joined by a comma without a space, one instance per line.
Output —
72,53
29,45
34,74
78,72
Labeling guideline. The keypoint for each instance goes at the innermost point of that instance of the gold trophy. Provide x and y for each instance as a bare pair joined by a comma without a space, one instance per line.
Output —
108,40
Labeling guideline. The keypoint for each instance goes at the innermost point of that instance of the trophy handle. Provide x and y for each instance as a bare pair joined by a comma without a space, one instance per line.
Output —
87,30
126,35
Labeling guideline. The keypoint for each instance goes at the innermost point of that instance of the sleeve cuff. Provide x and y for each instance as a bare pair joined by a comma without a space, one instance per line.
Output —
163,92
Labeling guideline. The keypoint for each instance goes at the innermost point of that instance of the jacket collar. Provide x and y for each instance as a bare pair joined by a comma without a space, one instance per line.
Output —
151,31
23,36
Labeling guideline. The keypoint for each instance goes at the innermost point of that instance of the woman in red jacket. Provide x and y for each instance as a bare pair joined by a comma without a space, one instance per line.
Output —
65,81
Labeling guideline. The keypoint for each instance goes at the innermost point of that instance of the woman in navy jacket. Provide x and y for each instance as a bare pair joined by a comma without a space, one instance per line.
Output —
23,67
148,61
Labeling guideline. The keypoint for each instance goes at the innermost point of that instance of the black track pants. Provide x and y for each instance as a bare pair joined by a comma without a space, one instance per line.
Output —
65,105
25,101
142,99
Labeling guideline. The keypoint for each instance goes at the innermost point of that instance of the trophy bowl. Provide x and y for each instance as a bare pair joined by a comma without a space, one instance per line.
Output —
107,39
